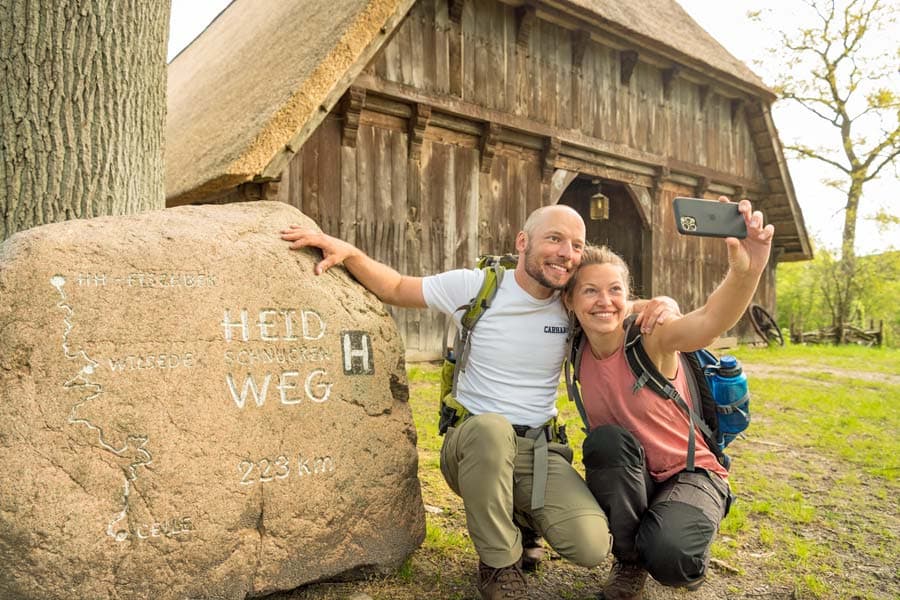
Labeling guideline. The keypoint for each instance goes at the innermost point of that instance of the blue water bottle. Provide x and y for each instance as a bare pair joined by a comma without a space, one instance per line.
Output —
728,385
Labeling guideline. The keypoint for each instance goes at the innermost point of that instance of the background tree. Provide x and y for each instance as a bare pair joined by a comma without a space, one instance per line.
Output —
805,290
82,109
843,70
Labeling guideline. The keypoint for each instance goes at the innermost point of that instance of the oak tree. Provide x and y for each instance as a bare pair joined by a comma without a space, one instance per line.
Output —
82,109
842,68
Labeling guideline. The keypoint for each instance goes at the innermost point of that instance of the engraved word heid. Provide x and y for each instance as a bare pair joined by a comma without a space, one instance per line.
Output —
285,335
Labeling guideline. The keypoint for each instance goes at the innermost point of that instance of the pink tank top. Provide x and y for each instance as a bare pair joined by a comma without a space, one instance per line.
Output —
658,423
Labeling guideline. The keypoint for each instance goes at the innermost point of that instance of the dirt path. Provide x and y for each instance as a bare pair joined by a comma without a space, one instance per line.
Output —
806,371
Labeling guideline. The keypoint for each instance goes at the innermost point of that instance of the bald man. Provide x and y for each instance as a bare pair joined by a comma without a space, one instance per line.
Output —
509,390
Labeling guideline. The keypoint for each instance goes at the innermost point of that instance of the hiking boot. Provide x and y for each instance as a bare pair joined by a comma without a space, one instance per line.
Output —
625,582
505,583
533,551
696,585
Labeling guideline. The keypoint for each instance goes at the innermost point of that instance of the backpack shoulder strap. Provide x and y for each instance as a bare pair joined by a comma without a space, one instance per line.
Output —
646,374
474,310
571,367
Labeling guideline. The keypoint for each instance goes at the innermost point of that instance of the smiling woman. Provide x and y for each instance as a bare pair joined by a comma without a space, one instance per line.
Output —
641,449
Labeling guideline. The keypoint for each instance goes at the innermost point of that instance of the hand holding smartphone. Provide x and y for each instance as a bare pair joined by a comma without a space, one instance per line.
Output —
708,218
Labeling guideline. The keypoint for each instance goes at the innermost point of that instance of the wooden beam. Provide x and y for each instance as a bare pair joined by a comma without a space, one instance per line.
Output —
737,105
663,174
418,122
668,79
643,202
704,96
525,17
353,102
455,10
448,110
702,186
627,61
559,182
580,41
489,137
551,152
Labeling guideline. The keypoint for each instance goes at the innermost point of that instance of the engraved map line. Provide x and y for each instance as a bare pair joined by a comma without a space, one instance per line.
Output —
142,456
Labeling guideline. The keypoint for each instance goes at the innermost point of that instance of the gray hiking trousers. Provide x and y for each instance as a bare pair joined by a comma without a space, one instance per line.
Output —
490,467
666,526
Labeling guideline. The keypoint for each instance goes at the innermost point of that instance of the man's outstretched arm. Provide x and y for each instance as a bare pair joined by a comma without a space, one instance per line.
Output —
383,281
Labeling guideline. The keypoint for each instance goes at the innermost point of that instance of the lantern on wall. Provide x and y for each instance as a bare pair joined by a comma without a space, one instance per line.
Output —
599,207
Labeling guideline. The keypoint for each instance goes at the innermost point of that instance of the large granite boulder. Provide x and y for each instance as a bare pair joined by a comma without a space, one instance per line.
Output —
187,411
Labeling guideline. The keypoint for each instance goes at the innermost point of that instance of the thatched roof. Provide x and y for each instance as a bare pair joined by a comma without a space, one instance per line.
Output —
259,80
666,27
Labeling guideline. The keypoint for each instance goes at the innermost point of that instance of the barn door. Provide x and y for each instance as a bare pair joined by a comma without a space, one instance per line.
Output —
627,230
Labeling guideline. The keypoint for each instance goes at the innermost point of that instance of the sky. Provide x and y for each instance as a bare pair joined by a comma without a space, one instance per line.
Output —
727,21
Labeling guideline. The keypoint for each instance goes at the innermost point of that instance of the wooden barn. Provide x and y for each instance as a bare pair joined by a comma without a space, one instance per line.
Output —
425,131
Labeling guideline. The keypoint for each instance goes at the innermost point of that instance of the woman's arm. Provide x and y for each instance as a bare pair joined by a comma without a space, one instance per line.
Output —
747,259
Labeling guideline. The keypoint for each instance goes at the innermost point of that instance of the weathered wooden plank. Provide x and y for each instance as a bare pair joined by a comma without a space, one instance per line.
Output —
382,193
414,216
499,198
399,209
329,175
523,85
495,51
421,57
391,53
310,202
573,164
481,36
468,25
485,212
455,57
563,78
284,185
468,170
348,194
441,38
510,65
448,205
409,53
365,188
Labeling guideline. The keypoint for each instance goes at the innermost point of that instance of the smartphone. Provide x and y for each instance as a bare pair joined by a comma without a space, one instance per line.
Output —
709,218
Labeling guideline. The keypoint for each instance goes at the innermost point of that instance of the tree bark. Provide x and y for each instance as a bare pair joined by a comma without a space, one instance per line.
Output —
82,109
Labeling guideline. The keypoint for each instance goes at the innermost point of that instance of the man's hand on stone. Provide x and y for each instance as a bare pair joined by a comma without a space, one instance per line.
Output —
334,251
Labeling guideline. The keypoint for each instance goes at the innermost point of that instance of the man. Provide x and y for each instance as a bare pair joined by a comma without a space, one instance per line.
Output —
509,389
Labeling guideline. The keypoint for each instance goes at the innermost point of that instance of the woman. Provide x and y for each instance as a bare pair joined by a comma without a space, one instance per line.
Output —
663,517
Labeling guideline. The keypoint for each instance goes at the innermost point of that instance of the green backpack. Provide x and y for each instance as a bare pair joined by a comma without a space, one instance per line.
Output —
457,355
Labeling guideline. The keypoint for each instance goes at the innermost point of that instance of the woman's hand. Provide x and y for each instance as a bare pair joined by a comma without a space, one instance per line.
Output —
749,255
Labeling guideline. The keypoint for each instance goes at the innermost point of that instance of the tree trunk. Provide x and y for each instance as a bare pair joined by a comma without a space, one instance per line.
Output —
82,109
848,255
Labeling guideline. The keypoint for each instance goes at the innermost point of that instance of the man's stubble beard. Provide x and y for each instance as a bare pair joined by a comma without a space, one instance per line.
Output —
534,270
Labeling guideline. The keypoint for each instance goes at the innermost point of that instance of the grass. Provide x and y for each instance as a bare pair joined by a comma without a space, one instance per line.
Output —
840,506
815,476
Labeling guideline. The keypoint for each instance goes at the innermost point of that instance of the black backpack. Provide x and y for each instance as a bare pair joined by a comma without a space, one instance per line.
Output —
698,367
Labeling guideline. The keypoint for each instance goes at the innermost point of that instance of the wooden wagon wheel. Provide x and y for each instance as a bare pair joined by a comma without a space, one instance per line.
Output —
765,326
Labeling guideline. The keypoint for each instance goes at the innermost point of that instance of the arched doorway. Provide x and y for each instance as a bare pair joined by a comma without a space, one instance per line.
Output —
624,231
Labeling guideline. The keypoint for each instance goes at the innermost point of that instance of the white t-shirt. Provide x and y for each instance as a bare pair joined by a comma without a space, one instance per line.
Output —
517,347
